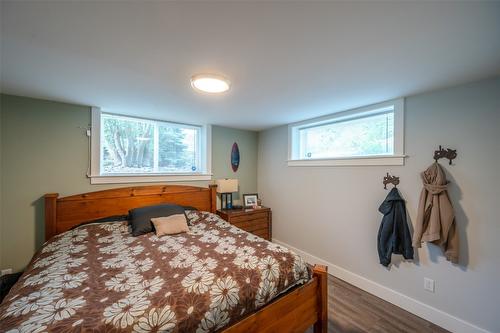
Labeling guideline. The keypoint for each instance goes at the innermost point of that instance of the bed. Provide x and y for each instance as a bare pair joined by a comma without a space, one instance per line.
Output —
97,277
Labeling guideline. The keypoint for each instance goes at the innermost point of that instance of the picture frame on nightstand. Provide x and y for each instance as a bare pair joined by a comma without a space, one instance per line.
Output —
250,200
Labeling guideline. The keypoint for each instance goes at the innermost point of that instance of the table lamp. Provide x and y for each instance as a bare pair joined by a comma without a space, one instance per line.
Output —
226,187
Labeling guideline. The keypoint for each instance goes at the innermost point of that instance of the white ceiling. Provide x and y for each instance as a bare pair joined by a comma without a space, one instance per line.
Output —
287,61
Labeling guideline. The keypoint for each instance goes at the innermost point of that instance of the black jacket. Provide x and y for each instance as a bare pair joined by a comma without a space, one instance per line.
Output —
393,234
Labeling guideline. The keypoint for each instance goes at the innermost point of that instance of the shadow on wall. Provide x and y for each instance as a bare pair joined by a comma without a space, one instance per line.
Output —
461,221
416,258
39,206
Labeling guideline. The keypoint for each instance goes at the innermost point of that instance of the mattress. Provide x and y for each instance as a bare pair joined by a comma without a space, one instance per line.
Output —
98,277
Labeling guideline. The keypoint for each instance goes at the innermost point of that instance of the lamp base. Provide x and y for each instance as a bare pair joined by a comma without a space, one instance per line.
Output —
228,199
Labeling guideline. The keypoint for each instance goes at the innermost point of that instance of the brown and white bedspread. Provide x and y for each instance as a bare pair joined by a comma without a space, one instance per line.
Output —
99,278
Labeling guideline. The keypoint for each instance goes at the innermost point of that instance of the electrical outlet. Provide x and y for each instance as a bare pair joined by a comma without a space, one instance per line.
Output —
429,284
5,271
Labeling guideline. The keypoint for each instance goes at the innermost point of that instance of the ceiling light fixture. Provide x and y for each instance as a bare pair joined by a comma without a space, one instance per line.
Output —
210,83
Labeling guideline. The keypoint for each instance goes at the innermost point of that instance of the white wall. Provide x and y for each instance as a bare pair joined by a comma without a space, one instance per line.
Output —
331,212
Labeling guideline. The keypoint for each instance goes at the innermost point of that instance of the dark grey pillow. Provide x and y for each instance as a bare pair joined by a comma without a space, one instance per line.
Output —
140,218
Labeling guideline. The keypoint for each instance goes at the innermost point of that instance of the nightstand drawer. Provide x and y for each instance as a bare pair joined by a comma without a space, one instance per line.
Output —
252,224
262,233
249,217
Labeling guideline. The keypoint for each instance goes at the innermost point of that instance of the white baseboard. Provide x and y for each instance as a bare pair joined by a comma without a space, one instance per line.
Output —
429,313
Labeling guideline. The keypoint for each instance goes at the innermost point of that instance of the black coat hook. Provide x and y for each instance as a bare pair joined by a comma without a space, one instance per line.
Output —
447,153
394,180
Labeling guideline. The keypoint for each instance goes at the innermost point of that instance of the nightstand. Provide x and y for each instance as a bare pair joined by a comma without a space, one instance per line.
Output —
257,221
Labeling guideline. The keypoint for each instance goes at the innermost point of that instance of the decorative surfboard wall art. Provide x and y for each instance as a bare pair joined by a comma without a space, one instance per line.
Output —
235,157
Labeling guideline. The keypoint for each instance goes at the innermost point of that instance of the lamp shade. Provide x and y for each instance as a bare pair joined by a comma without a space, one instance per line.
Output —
227,185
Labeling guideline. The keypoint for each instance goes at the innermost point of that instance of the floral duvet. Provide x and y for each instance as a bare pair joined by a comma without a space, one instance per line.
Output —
99,278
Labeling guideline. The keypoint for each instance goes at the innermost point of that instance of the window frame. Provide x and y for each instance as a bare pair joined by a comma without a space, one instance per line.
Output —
119,178
397,158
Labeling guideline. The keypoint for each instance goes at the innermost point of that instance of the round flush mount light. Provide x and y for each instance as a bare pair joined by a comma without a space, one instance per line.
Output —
210,83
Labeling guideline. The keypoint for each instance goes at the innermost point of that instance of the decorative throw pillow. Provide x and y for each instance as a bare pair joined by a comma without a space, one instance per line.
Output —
140,218
170,225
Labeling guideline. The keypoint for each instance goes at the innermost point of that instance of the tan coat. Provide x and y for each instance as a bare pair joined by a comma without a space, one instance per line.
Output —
435,219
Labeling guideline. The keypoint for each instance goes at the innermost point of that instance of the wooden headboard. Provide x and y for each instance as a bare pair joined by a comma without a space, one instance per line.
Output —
63,213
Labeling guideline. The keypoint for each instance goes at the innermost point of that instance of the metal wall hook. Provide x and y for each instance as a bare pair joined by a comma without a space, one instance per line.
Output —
394,180
447,153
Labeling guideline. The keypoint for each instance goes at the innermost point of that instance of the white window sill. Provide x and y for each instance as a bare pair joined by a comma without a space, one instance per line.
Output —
350,161
121,179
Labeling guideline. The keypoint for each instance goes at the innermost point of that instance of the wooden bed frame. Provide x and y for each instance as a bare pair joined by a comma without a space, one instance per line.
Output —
295,311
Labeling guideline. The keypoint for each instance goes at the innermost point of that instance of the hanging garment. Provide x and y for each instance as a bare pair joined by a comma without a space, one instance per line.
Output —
393,234
435,219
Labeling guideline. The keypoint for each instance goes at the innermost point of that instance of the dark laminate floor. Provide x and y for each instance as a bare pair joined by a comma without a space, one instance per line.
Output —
352,310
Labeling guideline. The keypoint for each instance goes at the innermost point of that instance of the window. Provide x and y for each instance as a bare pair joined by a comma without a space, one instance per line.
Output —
366,136
129,149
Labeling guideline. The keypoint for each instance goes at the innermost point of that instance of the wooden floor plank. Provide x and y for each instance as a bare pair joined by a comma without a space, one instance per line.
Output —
352,310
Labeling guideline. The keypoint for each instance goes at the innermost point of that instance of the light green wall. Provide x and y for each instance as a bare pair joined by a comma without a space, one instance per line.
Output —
43,149
222,142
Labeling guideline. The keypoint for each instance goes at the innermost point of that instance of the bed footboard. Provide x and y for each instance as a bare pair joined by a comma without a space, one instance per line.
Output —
295,311
321,273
